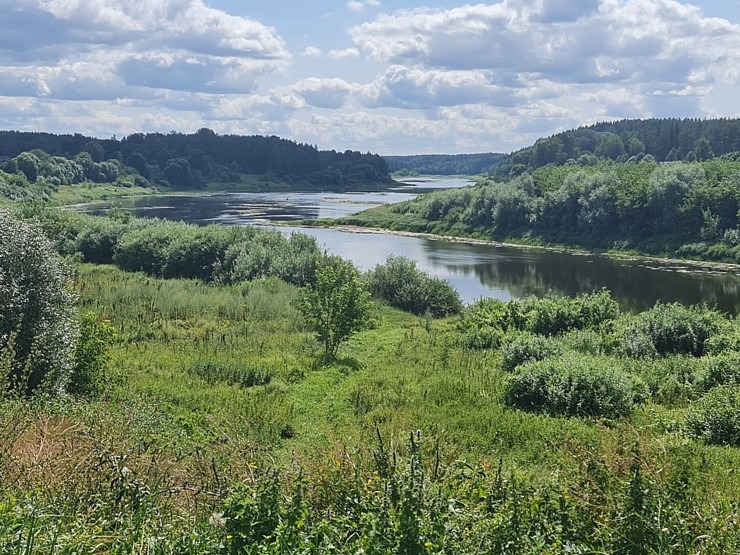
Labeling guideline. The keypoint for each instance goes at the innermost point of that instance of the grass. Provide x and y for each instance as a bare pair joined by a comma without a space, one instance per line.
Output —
150,466
89,192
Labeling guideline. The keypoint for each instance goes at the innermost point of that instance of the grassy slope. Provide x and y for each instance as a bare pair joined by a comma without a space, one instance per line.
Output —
186,441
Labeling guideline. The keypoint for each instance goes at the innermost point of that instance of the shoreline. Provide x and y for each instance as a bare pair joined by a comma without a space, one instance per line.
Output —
718,267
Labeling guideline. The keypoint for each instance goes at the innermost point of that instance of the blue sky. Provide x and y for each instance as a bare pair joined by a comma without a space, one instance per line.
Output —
434,76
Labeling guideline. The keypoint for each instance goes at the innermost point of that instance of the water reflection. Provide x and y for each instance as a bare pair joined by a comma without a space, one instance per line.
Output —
474,270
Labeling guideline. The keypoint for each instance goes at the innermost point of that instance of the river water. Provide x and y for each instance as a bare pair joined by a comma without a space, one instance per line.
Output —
475,270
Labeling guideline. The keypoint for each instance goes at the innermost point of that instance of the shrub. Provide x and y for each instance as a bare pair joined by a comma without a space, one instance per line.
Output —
715,418
556,315
91,355
721,369
145,249
672,379
484,324
97,239
37,327
527,348
670,329
574,386
404,286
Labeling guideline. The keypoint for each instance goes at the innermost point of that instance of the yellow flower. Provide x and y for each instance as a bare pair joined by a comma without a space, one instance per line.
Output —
229,537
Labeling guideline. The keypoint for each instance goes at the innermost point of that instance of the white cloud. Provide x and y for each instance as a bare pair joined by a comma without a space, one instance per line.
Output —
312,52
360,5
160,44
324,93
405,87
605,41
344,54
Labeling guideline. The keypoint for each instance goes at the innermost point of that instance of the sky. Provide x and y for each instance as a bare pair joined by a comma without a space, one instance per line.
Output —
382,76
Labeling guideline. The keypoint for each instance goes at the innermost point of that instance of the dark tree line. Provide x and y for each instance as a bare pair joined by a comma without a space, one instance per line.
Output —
444,164
664,140
191,160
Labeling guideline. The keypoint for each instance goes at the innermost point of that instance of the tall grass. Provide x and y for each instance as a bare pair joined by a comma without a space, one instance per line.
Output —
191,449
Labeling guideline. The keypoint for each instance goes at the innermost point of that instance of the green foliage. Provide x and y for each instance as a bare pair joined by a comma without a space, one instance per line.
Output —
575,386
682,209
443,164
715,418
721,369
337,306
230,372
525,347
484,323
404,286
37,327
188,161
91,355
671,328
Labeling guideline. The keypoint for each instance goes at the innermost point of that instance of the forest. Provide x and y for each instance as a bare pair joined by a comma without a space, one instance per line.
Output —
180,161
678,209
663,140
443,164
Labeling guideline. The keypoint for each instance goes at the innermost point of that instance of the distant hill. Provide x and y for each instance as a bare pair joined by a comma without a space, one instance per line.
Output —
444,164
190,161
665,140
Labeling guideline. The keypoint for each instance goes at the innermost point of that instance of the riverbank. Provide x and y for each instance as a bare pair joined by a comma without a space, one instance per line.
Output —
722,267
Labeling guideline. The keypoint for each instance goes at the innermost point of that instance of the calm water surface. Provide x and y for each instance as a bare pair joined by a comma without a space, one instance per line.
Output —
475,270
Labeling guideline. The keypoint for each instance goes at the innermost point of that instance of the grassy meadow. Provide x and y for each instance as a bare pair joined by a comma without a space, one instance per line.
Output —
222,429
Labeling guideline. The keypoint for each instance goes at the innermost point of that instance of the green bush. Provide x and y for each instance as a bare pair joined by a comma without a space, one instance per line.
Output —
400,283
574,386
557,315
484,324
526,348
715,418
37,325
97,239
669,329
671,380
145,249
721,369
91,355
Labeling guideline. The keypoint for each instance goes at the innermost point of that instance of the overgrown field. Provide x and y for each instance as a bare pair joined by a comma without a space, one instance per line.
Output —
221,429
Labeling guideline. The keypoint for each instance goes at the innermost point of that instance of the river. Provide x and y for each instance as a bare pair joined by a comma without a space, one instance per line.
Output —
475,270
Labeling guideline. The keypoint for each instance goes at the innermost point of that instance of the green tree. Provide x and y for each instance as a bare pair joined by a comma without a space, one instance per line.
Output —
337,306
37,327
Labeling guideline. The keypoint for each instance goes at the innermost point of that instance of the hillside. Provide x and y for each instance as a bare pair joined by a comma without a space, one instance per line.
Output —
444,164
180,161
665,140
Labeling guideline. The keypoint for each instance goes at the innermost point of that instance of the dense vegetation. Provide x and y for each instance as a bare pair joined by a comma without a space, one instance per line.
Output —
32,161
231,390
664,140
680,209
443,164
539,425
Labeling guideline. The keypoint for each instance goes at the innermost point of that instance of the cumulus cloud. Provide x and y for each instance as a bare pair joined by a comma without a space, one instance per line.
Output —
312,52
162,44
582,41
406,87
324,93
